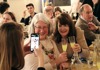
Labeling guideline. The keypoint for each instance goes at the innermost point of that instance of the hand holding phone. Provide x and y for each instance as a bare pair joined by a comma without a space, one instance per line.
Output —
34,41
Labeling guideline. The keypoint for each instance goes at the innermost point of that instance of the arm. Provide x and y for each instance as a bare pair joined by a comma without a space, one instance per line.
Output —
82,42
97,23
39,54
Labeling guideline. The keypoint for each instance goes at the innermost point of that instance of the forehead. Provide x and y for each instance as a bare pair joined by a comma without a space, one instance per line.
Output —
87,8
30,7
41,23
6,15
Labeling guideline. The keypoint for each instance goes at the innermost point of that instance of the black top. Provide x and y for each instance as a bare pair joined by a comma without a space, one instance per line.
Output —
27,20
96,8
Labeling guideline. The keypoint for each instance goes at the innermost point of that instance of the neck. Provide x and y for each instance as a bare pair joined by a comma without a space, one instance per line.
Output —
32,14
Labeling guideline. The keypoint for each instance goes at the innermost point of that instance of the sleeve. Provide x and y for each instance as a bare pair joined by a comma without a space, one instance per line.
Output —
90,35
31,62
22,20
97,23
82,42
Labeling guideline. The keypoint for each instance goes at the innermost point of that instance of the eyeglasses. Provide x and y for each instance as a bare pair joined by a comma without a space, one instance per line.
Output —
38,27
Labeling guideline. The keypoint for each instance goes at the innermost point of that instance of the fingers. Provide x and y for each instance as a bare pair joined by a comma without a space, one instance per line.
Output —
77,48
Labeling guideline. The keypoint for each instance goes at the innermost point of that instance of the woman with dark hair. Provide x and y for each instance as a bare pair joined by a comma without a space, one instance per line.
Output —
9,16
64,29
57,11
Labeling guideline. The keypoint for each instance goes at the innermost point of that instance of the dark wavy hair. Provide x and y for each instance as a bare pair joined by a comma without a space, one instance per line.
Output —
12,15
64,19
3,7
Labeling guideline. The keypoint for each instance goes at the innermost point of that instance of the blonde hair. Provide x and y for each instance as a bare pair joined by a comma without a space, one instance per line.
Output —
11,54
38,17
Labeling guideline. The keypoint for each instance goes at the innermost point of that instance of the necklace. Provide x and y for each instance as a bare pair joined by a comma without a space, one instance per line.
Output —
49,53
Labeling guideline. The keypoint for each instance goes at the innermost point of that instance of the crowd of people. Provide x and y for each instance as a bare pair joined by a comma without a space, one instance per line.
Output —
54,27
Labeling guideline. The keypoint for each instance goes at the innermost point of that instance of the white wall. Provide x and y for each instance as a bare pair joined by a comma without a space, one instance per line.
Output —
18,6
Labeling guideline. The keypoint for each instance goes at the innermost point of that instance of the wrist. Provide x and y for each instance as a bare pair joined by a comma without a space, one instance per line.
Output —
97,27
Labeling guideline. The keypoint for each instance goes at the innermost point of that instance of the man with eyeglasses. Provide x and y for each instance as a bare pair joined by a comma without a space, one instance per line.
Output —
88,23
30,9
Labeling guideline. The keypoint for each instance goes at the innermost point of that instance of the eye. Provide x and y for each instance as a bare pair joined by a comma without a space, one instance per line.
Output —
60,25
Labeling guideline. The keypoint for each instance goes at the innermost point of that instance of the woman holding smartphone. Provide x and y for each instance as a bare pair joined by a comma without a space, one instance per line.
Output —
42,26
11,44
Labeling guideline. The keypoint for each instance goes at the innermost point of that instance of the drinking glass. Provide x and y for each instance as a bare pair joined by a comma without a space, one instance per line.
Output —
75,60
64,45
72,41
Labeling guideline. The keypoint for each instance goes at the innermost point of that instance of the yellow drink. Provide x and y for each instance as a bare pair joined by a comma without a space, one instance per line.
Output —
98,65
72,44
64,47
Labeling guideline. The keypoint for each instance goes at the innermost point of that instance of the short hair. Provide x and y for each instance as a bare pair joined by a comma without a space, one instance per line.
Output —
11,37
42,17
82,8
12,15
3,7
50,4
30,4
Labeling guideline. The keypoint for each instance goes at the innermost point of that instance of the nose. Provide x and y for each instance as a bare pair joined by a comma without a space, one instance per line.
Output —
41,30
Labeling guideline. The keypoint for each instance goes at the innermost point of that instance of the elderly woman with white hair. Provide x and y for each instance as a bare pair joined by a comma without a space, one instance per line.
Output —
52,58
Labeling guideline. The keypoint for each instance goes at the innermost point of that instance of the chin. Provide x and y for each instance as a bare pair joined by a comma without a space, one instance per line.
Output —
42,38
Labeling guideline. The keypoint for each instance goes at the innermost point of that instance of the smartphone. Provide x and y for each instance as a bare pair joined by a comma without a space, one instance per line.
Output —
34,41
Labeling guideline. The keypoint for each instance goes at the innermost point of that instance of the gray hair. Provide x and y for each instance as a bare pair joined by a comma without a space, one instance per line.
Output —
42,17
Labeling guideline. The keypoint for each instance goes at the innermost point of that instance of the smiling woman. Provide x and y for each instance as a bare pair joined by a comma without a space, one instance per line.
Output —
64,29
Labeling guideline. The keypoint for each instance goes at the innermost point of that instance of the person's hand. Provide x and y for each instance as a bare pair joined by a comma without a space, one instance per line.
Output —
24,13
92,26
26,47
62,58
64,65
76,48
38,51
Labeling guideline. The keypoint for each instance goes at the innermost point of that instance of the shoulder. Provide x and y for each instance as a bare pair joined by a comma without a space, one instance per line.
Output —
79,30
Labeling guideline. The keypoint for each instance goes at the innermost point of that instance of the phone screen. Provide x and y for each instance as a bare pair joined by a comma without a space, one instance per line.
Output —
34,41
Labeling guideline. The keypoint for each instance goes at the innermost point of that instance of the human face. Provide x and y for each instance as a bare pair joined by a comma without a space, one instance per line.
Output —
49,11
87,13
7,18
30,9
63,30
57,13
41,28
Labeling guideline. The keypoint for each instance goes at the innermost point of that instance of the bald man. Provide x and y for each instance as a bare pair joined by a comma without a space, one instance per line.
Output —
88,22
